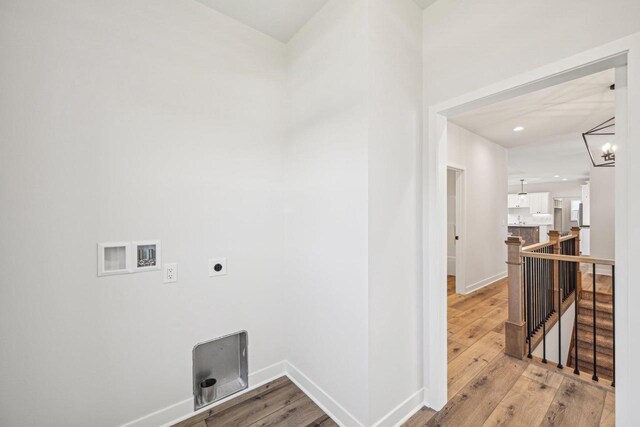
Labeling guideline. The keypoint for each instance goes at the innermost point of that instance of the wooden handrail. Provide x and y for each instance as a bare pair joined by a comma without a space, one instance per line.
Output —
569,258
537,246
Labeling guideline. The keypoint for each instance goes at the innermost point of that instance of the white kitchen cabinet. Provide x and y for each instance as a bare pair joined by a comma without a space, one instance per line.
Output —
517,201
539,203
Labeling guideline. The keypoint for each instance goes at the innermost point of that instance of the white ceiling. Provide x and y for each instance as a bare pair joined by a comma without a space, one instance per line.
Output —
425,3
572,107
280,19
550,148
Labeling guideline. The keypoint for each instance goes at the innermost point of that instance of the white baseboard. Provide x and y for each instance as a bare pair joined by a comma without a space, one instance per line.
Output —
451,265
331,407
405,410
484,282
184,409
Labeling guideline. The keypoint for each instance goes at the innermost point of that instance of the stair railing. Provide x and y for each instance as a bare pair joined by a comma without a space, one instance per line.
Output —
542,279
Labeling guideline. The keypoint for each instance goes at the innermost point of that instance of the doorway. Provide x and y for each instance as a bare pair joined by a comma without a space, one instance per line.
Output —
436,197
455,230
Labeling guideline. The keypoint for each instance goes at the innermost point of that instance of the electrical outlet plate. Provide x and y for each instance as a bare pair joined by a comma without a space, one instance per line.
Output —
217,267
170,272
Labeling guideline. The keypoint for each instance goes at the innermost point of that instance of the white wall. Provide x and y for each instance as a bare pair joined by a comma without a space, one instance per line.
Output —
552,338
484,204
602,196
395,126
326,235
469,44
133,120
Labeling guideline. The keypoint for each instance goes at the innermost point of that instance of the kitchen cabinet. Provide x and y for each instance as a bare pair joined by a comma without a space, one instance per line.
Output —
540,203
517,201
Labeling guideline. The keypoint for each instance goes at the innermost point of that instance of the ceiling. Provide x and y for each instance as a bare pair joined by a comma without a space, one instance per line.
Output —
550,148
571,107
425,3
280,19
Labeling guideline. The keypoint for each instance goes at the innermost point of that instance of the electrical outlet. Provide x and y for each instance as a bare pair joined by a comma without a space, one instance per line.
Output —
217,267
170,273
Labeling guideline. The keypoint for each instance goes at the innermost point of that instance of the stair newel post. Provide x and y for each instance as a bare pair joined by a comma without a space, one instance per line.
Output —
515,324
577,294
575,232
554,238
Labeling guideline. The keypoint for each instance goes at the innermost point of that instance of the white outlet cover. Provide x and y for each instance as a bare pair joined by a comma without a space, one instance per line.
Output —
170,272
217,267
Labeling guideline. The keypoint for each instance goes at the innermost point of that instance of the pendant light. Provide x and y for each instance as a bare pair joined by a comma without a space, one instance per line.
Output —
522,192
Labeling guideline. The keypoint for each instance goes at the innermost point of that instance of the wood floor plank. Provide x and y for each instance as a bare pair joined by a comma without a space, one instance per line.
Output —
476,330
256,408
302,412
323,421
420,418
454,349
608,418
191,422
575,404
473,360
528,400
478,399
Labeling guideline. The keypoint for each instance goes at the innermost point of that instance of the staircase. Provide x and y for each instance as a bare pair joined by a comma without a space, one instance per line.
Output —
604,335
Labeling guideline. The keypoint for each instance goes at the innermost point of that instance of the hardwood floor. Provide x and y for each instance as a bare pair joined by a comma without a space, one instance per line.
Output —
488,388
279,403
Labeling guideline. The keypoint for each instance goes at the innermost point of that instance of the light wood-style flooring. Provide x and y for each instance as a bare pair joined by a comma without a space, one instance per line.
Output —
488,388
278,403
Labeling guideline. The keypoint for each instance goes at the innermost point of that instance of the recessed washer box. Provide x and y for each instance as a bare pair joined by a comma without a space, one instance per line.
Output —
224,360
146,255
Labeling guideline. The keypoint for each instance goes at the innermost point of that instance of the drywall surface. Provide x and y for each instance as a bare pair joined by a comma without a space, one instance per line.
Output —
326,236
470,44
395,129
552,344
124,121
602,197
485,205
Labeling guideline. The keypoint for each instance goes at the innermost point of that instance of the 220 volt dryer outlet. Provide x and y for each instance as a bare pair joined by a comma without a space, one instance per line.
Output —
217,267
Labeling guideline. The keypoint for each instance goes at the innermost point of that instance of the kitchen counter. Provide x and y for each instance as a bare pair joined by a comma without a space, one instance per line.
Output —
530,233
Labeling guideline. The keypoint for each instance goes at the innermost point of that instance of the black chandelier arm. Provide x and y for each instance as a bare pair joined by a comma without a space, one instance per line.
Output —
600,126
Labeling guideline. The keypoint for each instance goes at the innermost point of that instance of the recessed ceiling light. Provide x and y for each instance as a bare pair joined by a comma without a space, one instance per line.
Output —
518,128
556,176
564,179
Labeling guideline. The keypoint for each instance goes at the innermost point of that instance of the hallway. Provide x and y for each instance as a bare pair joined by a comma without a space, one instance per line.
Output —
489,388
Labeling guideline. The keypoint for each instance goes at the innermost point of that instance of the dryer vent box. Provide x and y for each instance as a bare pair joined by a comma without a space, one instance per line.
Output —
224,360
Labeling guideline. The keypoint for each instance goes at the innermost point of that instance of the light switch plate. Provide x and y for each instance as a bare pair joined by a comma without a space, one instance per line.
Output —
217,267
170,272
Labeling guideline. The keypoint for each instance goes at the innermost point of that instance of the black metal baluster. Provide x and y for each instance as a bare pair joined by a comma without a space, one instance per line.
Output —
613,305
559,327
575,331
528,290
595,365
544,323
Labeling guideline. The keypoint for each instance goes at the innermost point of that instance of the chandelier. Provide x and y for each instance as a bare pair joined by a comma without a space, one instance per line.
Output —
602,134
